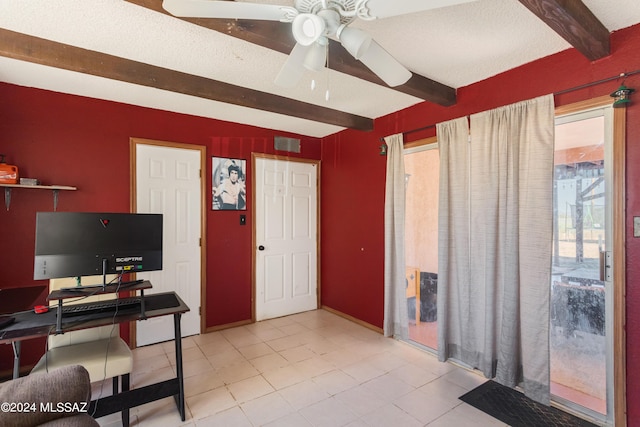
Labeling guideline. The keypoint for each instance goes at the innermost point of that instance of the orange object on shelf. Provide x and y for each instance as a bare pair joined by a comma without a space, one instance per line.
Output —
8,173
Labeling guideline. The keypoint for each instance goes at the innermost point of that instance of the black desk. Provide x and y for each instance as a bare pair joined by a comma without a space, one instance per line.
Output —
30,325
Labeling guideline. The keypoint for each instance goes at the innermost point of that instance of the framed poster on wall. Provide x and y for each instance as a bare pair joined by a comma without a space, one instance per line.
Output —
228,184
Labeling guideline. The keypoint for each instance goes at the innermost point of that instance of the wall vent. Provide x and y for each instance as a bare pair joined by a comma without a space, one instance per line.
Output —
292,145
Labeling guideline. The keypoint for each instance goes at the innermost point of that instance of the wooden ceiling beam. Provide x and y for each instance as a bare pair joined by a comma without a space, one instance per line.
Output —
46,52
575,23
278,37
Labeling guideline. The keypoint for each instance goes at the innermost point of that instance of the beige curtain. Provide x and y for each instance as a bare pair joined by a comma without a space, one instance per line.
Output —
500,320
395,301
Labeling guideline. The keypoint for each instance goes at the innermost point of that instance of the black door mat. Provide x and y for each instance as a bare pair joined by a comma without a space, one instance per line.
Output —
514,408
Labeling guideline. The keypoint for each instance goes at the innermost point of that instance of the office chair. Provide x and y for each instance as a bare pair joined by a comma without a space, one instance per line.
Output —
99,350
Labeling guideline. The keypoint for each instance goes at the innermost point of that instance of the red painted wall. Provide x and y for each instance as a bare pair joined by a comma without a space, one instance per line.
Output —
352,214
354,176
71,140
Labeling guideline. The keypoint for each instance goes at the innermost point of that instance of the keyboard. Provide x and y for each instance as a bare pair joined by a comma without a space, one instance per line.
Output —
101,306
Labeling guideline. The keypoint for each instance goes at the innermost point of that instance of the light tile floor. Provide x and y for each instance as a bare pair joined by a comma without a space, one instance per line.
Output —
309,369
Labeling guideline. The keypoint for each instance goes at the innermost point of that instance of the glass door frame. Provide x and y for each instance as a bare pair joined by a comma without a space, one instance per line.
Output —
615,168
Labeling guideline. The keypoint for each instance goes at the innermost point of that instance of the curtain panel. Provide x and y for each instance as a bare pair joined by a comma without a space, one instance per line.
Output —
395,302
496,318
453,238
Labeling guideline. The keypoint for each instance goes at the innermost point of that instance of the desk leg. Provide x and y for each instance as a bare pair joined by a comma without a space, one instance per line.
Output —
17,345
178,340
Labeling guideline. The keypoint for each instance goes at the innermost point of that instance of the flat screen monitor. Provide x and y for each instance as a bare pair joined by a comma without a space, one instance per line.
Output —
73,244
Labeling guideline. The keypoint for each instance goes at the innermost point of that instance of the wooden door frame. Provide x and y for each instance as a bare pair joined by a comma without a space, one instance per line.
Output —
254,244
133,143
618,194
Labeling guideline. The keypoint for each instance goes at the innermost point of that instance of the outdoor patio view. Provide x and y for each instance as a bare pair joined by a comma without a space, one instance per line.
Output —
578,343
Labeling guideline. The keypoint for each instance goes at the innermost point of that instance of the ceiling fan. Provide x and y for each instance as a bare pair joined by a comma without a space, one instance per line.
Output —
313,22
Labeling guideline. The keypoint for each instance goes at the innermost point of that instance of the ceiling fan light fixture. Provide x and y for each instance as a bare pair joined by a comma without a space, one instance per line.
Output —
355,41
307,28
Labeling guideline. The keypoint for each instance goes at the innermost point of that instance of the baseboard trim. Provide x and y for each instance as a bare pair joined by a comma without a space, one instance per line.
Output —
228,325
353,319
324,307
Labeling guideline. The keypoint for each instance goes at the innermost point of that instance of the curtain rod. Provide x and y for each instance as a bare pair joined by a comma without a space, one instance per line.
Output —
584,86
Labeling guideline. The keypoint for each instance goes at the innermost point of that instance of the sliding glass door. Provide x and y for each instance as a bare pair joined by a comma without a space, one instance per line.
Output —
587,285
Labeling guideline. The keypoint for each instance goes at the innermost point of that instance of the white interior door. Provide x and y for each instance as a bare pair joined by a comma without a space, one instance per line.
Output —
286,237
168,182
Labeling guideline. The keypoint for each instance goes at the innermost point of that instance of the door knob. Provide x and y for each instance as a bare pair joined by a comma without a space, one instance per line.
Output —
261,248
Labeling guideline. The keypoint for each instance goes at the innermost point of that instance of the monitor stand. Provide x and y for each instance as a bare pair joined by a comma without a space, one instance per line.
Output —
102,287
61,295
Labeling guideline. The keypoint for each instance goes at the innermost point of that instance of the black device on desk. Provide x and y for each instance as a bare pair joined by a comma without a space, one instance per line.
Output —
6,320
15,300
108,306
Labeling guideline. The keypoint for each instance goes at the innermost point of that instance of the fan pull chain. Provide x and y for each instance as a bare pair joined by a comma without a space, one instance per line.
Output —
326,94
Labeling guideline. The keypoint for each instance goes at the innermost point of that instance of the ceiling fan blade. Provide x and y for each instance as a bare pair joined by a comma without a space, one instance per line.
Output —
293,68
316,57
384,65
386,8
228,10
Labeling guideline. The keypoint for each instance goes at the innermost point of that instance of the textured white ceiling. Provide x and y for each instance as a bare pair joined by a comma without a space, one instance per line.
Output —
457,46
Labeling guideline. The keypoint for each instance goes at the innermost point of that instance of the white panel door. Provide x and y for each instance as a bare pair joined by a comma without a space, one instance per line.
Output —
168,182
286,237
